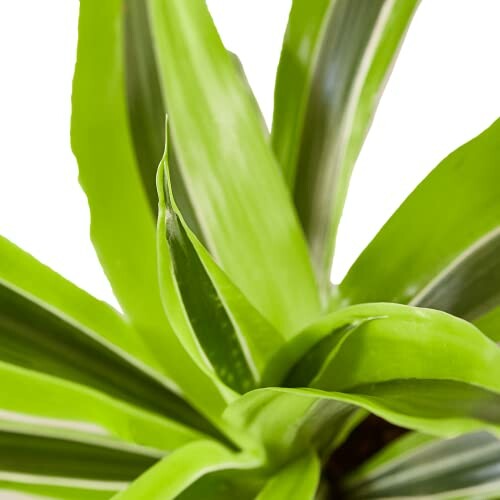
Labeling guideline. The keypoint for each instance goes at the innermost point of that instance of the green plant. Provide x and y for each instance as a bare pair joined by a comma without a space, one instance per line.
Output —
236,369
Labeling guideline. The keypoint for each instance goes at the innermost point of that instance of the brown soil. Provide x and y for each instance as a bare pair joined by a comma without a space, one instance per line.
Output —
368,438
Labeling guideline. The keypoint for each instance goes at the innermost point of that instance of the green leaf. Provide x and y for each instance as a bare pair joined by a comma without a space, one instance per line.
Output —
240,344
57,488
239,197
49,325
336,58
57,408
300,479
417,368
489,324
31,454
462,467
123,224
145,106
440,248
180,472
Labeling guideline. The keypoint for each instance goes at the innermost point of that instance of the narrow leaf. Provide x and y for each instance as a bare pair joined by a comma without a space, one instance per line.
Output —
49,325
336,58
145,106
122,222
57,488
223,331
57,408
233,181
462,467
441,255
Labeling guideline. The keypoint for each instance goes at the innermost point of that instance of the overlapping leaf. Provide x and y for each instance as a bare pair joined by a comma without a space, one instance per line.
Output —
462,467
213,319
417,368
49,325
233,181
335,61
122,221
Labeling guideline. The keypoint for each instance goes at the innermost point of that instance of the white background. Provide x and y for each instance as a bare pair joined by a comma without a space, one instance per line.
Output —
444,90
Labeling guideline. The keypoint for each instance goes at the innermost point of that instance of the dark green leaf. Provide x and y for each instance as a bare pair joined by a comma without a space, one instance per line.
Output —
235,340
464,467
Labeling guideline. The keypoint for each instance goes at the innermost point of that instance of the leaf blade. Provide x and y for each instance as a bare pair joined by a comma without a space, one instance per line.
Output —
357,42
240,199
424,260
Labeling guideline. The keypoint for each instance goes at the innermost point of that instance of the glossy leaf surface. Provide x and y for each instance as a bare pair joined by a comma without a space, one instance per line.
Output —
234,183
431,389
335,61
442,255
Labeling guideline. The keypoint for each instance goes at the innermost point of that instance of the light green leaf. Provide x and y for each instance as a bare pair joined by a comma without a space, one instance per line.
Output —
440,248
53,407
462,467
416,368
336,58
300,479
215,322
234,183
57,488
123,224
49,325
489,324
27,454
180,472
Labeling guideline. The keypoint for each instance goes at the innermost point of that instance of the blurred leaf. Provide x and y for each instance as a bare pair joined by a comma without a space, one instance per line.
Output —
234,183
180,472
489,324
464,467
31,453
298,480
37,486
440,248
336,59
